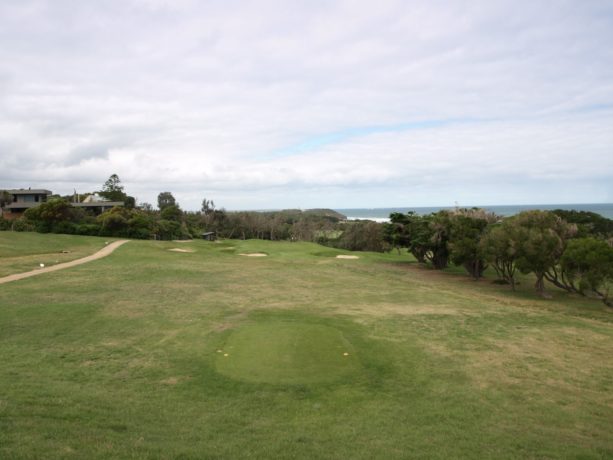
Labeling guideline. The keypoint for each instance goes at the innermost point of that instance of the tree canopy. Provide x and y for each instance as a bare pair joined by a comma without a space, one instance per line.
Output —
166,199
112,189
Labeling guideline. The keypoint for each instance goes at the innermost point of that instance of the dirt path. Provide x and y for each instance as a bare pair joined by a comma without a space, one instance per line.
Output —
105,251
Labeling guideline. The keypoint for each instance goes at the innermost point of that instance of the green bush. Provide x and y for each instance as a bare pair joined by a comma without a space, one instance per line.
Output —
5,224
65,227
22,225
88,229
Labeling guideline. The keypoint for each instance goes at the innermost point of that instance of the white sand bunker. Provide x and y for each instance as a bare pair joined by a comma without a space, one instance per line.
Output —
181,250
254,254
347,257
182,241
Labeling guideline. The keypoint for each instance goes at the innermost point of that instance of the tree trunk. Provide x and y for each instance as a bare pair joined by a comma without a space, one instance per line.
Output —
540,285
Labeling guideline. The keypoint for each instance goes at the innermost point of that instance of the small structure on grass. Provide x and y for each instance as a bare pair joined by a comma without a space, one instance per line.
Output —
209,236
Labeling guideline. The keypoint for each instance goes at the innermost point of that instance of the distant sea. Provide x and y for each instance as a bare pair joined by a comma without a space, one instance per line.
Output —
382,214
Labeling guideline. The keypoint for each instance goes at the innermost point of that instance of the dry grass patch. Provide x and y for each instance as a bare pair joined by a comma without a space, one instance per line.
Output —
170,381
565,359
124,309
398,309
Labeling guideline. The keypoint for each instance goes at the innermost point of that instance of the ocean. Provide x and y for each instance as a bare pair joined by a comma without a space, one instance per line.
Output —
382,214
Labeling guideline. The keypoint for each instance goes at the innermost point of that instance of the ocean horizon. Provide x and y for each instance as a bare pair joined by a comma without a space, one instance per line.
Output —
382,214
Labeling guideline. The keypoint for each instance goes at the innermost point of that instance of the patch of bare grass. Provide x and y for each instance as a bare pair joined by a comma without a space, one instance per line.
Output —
569,359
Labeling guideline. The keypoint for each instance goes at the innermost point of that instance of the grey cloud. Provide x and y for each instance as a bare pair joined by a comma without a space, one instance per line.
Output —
202,93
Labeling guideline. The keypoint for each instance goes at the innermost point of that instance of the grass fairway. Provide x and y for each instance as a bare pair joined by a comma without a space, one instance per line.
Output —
118,358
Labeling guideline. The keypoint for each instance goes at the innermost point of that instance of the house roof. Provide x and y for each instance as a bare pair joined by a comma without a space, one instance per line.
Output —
98,204
33,191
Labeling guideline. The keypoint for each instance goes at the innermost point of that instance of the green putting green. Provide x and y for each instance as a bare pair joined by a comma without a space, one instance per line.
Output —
287,353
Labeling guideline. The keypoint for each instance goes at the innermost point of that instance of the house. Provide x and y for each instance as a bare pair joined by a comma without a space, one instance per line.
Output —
97,204
22,200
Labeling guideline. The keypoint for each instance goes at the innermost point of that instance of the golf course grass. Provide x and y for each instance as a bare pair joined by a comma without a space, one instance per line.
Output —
125,357
26,251
287,353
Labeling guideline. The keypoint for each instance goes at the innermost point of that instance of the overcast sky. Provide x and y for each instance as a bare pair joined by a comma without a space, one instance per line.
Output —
275,104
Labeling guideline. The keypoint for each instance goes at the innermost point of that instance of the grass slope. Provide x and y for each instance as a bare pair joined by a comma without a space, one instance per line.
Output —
118,358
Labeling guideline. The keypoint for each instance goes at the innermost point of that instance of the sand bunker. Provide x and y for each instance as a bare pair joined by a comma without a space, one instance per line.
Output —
347,257
181,250
254,254
182,241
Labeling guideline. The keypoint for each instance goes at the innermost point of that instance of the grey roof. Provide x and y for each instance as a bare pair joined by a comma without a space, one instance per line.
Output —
34,191
98,204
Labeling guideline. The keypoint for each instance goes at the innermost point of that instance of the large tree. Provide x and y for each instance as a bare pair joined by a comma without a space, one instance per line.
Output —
113,190
587,265
5,198
540,238
208,206
499,247
51,215
165,199
467,227
423,236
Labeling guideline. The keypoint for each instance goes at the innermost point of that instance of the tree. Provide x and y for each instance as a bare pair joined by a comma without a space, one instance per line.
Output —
467,227
114,222
363,236
166,199
208,206
147,207
412,232
112,189
588,223
5,198
172,213
439,226
540,238
396,232
499,247
50,215
130,202
587,265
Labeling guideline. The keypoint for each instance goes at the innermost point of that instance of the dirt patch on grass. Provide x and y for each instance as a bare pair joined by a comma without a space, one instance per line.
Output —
347,257
255,254
181,250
